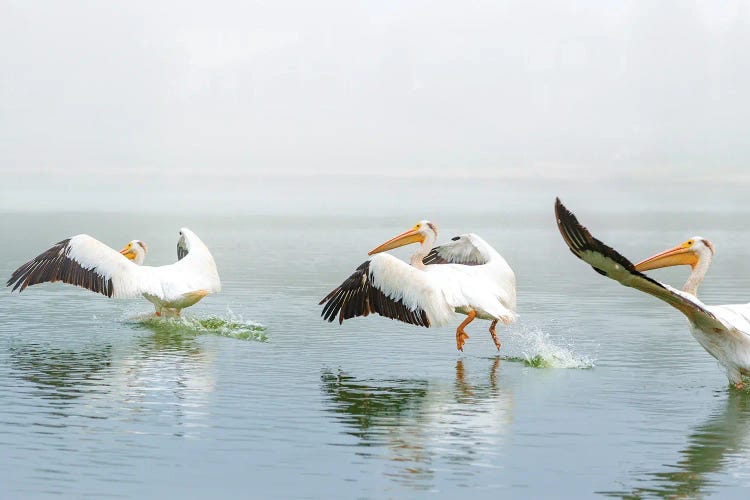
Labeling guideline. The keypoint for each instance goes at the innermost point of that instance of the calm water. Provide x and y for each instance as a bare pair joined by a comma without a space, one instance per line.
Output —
97,402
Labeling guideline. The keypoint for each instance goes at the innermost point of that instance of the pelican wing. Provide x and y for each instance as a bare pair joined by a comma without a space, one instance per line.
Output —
182,247
607,261
86,262
195,268
391,288
461,250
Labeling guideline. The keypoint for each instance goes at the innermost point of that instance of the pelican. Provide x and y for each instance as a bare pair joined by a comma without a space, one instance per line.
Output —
87,262
465,276
723,331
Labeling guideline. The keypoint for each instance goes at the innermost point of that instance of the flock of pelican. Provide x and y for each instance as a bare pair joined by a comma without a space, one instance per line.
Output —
464,276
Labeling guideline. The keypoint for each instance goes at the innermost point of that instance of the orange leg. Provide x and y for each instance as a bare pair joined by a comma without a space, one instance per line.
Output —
158,313
460,333
740,386
494,335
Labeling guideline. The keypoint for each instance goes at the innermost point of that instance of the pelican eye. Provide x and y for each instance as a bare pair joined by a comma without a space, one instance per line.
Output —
690,243
455,238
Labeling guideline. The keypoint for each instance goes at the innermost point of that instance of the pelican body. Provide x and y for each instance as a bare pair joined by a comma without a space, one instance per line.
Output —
466,276
86,262
722,330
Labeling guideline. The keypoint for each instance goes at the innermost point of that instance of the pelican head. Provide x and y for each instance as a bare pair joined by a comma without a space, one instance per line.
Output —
136,251
422,231
688,253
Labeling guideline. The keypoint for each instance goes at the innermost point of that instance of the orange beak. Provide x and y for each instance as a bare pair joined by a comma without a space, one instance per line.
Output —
410,236
128,252
677,256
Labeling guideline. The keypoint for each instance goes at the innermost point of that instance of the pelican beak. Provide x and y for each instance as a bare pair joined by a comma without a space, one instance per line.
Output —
411,236
680,255
128,252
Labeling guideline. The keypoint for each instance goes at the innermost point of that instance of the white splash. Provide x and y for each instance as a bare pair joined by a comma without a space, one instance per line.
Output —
540,351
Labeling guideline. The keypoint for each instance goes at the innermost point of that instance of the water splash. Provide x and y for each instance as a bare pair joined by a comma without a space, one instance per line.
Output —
231,326
538,350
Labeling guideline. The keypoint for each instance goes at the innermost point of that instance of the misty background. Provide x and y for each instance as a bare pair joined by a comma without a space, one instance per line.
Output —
307,105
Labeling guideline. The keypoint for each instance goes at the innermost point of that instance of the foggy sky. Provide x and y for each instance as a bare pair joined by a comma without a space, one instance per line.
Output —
395,87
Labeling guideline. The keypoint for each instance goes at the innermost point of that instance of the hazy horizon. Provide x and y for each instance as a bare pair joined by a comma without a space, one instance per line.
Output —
381,87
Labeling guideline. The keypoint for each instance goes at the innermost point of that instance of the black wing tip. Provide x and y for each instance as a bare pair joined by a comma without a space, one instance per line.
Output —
559,206
563,213
579,239
565,217
573,233
357,297
336,305
55,265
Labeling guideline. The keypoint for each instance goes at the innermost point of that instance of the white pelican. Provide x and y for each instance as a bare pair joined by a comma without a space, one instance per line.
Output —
723,331
87,262
464,276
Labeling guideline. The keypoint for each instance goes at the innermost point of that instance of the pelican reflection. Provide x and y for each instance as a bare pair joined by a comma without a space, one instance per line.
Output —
718,446
61,375
416,425
157,372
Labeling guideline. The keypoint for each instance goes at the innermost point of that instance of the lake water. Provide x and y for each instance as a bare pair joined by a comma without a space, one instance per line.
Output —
251,394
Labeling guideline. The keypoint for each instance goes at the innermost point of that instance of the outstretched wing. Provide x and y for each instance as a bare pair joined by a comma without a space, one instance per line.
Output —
195,267
607,261
461,250
358,297
391,288
86,262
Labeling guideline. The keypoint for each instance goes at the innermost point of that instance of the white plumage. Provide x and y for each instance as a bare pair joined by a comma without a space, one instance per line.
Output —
723,330
464,276
85,261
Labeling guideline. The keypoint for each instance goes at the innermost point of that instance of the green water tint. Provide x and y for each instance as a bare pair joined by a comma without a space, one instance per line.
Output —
535,362
211,325
540,361
367,405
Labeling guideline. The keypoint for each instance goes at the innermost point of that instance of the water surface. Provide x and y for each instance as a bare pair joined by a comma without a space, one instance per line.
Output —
97,402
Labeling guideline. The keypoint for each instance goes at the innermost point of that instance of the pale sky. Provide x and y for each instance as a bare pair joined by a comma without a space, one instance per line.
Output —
393,87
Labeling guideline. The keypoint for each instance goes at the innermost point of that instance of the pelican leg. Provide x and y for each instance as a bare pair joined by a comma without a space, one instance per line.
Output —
739,385
494,335
461,335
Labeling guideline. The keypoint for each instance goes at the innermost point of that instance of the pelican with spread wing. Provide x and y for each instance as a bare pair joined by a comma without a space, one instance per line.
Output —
465,276
723,331
87,262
